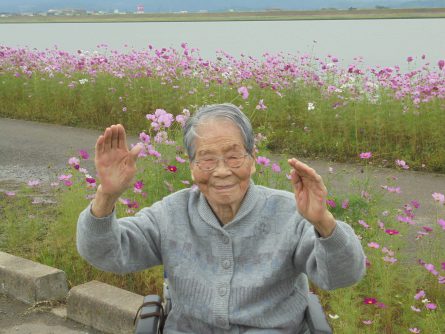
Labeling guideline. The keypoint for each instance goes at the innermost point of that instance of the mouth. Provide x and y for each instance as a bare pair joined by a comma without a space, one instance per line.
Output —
224,187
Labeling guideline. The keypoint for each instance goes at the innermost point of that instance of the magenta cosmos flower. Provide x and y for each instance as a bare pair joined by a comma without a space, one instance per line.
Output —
391,232
172,168
369,301
84,154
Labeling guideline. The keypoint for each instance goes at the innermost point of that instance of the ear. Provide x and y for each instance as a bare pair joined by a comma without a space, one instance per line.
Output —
253,167
191,171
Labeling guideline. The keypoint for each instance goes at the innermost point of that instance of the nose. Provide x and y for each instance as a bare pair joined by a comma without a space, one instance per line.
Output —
222,169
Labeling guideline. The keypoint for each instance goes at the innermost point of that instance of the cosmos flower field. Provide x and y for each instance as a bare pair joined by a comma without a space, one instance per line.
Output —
299,105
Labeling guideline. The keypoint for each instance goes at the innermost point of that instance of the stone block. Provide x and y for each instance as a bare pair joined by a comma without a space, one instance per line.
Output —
30,281
104,307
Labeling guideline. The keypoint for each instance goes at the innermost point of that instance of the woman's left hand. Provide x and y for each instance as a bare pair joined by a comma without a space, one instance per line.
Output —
311,194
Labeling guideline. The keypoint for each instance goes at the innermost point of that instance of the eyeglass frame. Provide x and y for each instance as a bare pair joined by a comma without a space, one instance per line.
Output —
196,162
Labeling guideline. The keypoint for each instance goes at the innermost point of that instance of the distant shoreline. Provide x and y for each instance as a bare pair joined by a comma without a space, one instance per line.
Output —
355,14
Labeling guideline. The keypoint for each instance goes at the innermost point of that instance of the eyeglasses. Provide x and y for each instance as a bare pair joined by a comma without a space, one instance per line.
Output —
209,164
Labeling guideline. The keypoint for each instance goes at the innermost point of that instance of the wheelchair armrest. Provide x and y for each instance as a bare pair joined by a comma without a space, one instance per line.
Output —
315,317
149,316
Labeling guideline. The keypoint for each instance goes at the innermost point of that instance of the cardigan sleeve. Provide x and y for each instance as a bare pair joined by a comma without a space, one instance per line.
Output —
121,245
333,262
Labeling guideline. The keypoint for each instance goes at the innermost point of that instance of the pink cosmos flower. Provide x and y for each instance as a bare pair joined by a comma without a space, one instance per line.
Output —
74,162
144,137
415,309
402,164
363,223
244,92
415,204
387,251
409,59
373,244
441,223
390,259
414,330
441,64
263,161
365,155
261,105
64,177
367,322
431,306
180,160
10,193
84,154
276,168
438,197
392,189
68,183
331,203
441,279
33,183
419,295
443,265
182,119
345,204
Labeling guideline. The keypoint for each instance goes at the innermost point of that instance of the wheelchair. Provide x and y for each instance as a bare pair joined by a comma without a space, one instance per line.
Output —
151,315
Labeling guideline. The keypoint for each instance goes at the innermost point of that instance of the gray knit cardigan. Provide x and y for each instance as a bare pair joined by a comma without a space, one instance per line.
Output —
249,276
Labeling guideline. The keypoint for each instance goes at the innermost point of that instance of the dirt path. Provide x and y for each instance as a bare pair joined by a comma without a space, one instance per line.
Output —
31,150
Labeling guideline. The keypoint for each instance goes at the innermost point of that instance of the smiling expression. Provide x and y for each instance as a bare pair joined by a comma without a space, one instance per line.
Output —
222,186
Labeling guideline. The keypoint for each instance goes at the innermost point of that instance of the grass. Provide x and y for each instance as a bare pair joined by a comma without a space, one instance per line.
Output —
390,128
326,14
45,232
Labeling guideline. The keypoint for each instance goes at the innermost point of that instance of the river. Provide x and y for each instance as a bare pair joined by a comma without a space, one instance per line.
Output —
379,42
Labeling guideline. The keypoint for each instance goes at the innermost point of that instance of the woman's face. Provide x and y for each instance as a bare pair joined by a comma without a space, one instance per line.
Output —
224,185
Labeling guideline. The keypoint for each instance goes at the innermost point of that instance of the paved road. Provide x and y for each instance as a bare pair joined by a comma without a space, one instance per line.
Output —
19,318
36,150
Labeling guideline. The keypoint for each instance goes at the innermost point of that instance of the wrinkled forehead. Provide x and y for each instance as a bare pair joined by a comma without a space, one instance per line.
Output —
218,135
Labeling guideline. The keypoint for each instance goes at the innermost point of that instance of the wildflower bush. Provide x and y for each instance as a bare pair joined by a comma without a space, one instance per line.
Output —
305,106
299,105
404,287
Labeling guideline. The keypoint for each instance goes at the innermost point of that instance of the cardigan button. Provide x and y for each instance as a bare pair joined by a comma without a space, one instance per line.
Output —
220,321
226,264
225,240
222,291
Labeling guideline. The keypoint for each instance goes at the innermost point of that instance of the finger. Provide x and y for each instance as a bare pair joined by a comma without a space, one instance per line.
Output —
304,170
122,140
107,140
114,136
99,145
134,153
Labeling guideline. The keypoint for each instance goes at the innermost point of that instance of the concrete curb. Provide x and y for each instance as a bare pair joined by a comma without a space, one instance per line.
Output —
103,307
30,281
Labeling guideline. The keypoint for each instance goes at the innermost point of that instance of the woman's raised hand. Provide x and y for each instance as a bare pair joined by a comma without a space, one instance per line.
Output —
311,194
115,164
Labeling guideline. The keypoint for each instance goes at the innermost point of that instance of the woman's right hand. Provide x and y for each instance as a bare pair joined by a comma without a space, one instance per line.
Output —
115,164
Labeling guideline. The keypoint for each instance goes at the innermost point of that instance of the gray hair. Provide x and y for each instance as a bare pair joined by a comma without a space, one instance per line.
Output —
217,111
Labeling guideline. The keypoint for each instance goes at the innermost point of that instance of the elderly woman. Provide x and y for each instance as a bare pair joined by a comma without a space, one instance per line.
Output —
238,255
